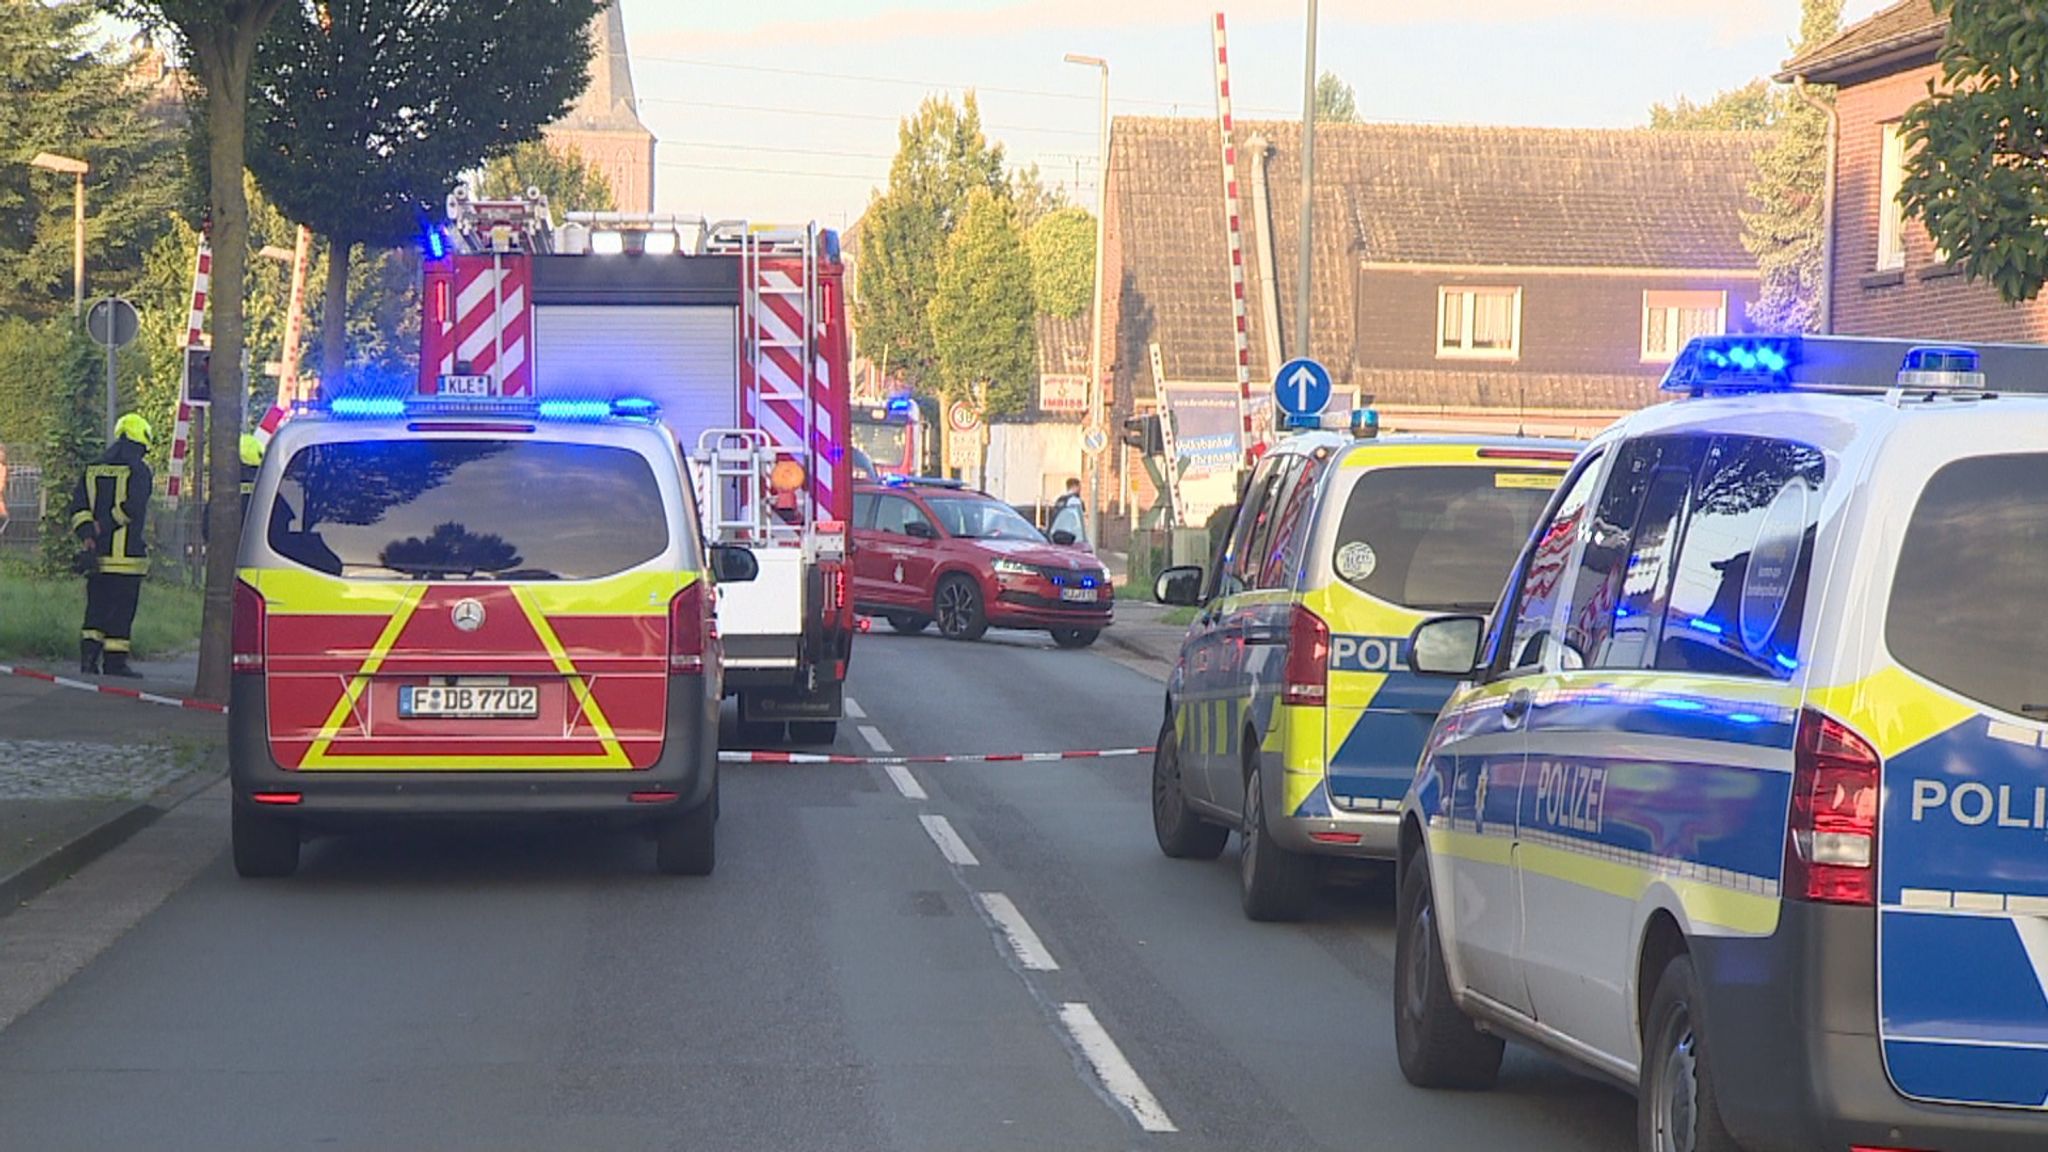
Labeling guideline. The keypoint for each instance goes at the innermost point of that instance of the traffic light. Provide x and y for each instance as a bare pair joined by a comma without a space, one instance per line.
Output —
1142,433
198,384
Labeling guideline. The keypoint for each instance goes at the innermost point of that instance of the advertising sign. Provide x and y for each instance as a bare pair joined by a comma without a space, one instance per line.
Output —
1208,433
1062,393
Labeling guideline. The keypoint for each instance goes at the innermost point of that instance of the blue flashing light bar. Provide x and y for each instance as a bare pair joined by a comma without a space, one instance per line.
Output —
1738,364
367,407
1735,364
902,405
1708,626
437,243
575,410
565,410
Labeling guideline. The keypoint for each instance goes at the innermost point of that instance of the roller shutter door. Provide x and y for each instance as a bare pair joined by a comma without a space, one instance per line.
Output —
686,358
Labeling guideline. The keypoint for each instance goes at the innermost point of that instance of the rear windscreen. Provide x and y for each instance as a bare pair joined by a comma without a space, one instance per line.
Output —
1966,608
468,510
1439,539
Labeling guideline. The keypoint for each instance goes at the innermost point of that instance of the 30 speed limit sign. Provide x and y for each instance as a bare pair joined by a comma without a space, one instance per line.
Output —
962,416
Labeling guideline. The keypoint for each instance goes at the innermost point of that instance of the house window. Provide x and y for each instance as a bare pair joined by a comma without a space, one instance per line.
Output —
1891,215
1672,318
1482,323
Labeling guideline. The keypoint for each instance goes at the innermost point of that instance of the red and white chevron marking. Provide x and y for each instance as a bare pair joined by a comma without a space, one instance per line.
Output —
776,394
1233,215
195,337
968,758
493,323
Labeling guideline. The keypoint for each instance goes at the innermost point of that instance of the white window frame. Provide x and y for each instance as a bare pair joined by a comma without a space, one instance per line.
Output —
1671,301
1891,215
1469,295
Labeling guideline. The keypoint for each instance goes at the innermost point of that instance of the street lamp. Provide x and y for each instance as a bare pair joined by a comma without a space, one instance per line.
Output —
1096,420
1304,278
65,165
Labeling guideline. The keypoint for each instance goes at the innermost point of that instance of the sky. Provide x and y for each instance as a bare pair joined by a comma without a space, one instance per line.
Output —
787,110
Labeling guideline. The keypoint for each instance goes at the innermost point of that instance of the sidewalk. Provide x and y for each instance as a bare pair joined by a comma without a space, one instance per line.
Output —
80,772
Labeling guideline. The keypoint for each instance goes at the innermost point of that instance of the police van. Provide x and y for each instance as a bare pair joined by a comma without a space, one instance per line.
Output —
1745,803
1290,715
428,623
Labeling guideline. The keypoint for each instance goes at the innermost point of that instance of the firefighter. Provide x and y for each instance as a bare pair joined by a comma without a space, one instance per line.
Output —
252,460
108,510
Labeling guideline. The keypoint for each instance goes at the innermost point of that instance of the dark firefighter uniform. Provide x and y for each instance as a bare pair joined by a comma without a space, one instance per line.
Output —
108,510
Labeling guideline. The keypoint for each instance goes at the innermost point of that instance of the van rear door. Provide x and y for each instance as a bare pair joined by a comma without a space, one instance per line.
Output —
1963,844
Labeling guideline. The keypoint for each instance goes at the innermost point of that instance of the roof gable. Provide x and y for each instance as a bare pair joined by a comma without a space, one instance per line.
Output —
1906,35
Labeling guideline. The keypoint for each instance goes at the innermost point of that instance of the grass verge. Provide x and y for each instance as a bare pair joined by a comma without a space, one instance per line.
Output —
1181,617
39,617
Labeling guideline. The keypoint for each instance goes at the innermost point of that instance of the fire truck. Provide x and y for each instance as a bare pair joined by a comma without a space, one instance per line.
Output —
737,331
892,435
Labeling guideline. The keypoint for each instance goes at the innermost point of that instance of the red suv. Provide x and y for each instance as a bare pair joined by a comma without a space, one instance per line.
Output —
930,550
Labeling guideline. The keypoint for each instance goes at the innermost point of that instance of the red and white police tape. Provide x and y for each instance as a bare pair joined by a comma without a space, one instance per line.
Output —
112,690
965,758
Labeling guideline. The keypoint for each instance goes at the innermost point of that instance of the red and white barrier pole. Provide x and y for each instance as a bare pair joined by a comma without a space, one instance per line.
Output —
1234,226
195,337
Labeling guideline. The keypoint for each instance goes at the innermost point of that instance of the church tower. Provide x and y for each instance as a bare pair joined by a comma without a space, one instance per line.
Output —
604,125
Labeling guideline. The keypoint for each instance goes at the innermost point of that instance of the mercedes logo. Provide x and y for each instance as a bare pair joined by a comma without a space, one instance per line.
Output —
468,615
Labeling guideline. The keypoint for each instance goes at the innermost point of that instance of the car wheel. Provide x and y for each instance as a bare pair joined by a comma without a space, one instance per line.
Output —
1075,637
1182,835
1438,1045
687,845
1677,1106
1275,884
908,623
813,731
959,610
266,847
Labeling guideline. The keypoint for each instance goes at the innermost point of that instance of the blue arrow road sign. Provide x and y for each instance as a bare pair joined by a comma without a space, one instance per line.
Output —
1302,388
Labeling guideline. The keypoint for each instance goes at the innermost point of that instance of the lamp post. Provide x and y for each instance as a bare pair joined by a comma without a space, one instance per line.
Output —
1097,421
67,166
1304,278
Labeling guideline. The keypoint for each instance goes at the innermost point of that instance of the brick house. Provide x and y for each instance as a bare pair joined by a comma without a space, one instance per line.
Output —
1466,277
1885,277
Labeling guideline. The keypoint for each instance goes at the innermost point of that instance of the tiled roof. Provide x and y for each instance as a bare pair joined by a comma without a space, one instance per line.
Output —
1064,344
1407,194
1909,27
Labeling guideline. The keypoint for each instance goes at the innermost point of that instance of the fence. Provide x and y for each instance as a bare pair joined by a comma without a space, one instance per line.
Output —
22,498
177,540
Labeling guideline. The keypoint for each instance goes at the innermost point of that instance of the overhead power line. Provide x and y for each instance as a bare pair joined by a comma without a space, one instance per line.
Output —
831,114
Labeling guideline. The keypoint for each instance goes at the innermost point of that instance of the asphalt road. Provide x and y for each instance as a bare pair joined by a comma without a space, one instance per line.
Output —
979,956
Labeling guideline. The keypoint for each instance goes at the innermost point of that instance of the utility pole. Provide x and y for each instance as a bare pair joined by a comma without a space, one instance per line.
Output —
1097,422
1308,190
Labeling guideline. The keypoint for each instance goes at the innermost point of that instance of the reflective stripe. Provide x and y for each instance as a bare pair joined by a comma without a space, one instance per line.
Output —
124,565
93,634
117,646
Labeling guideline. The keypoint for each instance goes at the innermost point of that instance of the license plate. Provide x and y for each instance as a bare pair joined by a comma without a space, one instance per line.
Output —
1078,595
468,702
468,387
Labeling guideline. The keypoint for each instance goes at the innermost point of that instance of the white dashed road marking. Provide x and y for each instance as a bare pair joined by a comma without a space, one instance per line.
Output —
875,739
854,710
1118,1078
905,782
953,848
1030,950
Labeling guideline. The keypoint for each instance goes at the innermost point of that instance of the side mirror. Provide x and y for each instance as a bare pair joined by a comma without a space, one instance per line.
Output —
1180,587
920,530
733,565
1064,538
1447,646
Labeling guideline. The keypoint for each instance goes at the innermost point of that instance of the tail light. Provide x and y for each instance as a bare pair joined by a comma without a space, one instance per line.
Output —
691,627
1831,844
1306,677
246,631
835,589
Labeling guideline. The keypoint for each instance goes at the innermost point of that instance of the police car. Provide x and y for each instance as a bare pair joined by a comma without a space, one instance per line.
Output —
1290,716
475,606
1743,806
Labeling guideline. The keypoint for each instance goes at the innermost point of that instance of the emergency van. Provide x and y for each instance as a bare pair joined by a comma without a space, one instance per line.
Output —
1291,716
737,331
423,625
1745,803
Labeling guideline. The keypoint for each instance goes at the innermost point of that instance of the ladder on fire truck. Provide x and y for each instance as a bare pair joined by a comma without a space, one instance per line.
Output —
780,343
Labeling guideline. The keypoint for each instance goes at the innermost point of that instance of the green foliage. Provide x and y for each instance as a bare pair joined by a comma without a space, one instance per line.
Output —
39,616
30,355
1032,198
73,437
1336,103
1977,148
69,92
941,157
1754,107
1785,232
1062,251
570,184
982,315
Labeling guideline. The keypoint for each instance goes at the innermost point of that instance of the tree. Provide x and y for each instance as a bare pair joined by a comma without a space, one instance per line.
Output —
941,157
1786,231
74,435
68,92
1033,198
1977,148
219,39
1062,251
983,329
367,111
1336,103
1754,107
570,184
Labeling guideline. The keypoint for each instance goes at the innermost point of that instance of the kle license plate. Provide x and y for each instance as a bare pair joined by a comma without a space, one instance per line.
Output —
1078,595
468,702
